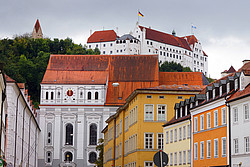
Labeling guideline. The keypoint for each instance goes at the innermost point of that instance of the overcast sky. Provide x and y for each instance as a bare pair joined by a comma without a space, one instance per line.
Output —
223,26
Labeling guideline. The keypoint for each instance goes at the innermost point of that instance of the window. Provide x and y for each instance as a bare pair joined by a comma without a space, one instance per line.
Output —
148,140
92,157
49,133
247,146
236,84
246,112
103,52
68,157
171,159
149,97
171,136
216,146
52,95
236,146
167,137
195,124
195,151
184,132
148,164
47,95
184,157
89,46
180,158
96,46
188,156
161,97
175,158
188,131
208,120
93,134
215,118
202,149
202,122
220,90
126,123
111,52
81,94
160,141
69,134
58,95
96,95
120,126
175,135
235,114
228,87
89,95
223,146
223,116
161,113
179,97
48,157
209,149
149,112
180,133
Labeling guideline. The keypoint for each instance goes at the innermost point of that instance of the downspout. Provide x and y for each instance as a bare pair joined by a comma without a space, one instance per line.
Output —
16,128
1,130
23,132
114,140
29,141
35,146
229,124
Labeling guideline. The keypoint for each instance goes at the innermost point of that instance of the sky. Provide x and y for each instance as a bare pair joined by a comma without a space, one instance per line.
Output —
223,26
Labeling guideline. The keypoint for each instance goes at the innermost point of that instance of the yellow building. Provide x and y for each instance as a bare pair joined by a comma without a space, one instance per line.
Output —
134,134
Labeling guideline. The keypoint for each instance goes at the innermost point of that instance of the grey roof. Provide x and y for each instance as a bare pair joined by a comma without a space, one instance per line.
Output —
192,100
126,37
200,97
209,88
205,80
230,78
186,101
215,85
182,103
177,105
222,82
236,75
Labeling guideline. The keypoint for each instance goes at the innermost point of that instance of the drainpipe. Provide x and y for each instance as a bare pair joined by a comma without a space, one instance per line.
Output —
29,141
229,127
1,130
23,132
16,128
114,140
35,146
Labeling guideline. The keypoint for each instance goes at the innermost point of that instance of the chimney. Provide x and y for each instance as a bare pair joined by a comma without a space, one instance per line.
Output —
245,61
116,30
90,32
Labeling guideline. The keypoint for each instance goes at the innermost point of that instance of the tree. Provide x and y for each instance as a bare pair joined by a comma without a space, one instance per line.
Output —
173,67
99,147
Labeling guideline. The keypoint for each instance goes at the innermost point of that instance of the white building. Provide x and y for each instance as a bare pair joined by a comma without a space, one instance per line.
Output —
238,105
185,50
22,127
78,94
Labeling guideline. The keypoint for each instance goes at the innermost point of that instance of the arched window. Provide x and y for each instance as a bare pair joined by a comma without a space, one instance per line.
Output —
68,157
92,157
52,95
49,135
96,95
81,94
69,134
48,157
47,95
93,134
89,95
58,95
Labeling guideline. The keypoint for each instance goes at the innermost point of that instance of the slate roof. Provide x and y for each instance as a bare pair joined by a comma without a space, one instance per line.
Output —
102,36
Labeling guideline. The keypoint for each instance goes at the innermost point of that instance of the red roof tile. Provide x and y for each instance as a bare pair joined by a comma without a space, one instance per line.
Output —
240,94
181,78
174,87
8,79
191,39
165,38
245,68
102,36
21,85
37,25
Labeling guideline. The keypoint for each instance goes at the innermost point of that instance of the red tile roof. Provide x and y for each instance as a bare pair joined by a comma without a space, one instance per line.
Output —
245,68
239,94
130,71
191,39
165,38
37,25
173,120
181,78
174,87
8,79
102,36
231,70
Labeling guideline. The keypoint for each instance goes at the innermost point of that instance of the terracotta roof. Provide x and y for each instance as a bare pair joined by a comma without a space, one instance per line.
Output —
37,25
21,85
173,120
129,71
176,88
240,94
191,39
181,78
205,54
102,36
231,70
8,79
165,38
245,68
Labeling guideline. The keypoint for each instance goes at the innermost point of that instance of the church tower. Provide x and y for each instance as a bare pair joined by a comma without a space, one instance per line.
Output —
37,31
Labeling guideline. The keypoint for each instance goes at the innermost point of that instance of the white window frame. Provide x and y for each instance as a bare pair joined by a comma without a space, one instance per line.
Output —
162,142
195,124
202,150
209,120
188,156
167,137
175,135
180,133
180,157
246,111
175,158
152,118
202,122
223,116
195,151
223,147
188,131
184,157
209,149
146,139
216,153
235,115
171,159
184,132
216,118
236,145
171,136
246,144
161,117
145,163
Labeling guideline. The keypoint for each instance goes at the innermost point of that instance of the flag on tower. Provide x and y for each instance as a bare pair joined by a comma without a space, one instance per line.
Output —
194,27
140,14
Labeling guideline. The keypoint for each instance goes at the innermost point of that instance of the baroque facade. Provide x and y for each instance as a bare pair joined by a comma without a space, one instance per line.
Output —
185,50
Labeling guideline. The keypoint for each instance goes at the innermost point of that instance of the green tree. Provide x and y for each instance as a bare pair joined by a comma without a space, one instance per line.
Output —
99,147
173,67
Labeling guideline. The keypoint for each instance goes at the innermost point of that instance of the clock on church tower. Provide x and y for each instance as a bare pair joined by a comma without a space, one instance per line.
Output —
70,94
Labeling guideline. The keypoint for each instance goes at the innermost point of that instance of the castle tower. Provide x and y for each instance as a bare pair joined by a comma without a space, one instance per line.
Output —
37,31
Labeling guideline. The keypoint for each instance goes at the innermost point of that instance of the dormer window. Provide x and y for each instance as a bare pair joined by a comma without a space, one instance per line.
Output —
236,84
213,93
228,87
196,103
186,107
207,95
181,112
191,105
176,114
220,90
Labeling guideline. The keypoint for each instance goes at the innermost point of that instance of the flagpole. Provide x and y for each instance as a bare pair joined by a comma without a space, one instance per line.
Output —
138,15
